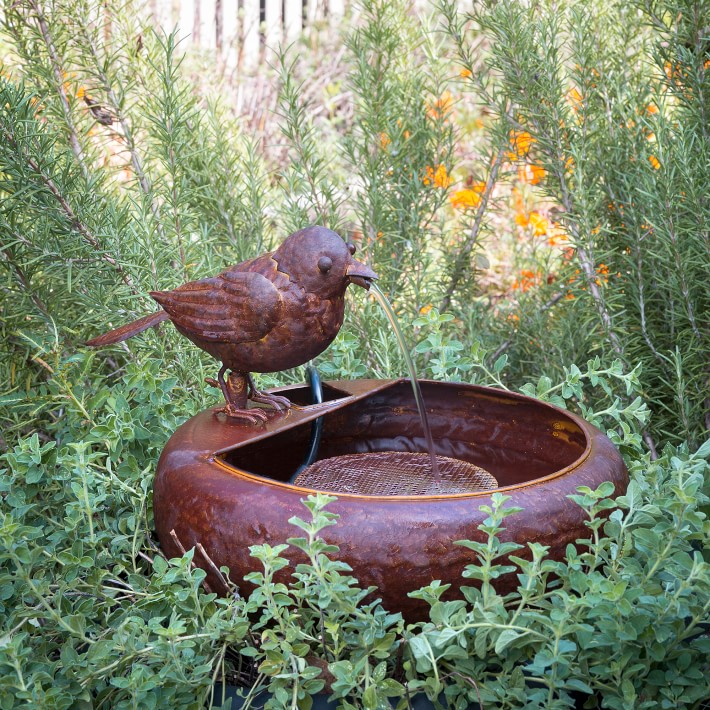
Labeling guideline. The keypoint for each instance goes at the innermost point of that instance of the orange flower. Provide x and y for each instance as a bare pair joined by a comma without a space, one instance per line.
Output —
465,73
674,72
406,133
527,280
68,78
425,309
384,140
557,237
437,176
441,107
535,220
468,197
651,108
531,174
539,224
654,161
603,271
520,142
575,98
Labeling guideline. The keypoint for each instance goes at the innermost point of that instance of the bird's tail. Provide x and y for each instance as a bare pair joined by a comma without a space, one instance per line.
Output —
128,330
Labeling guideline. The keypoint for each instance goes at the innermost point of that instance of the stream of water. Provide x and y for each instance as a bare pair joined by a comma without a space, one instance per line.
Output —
392,318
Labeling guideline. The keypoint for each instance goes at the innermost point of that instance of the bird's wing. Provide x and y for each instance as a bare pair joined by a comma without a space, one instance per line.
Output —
234,307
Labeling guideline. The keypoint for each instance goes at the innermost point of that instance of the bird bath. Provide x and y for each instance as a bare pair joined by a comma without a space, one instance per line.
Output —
225,485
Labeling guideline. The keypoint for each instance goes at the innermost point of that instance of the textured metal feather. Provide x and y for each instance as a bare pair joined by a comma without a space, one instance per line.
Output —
240,308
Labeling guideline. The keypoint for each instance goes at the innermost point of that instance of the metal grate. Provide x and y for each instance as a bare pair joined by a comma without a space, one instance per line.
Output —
394,473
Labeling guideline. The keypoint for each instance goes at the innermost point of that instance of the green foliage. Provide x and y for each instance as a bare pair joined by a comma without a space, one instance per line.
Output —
400,136
623,620
445,355
321,618
94,616
620,128
93,217
84,240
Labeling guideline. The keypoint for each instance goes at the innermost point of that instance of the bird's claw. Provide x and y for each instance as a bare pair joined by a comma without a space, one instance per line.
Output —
238,396
279,403
253,416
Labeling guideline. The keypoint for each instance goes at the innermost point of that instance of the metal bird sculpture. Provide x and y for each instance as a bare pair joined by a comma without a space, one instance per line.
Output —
266,314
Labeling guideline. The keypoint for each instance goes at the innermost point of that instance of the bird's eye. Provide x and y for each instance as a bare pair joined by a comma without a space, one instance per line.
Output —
351,247
325,263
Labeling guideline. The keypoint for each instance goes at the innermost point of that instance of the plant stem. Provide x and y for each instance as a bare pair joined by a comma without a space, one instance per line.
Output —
59,80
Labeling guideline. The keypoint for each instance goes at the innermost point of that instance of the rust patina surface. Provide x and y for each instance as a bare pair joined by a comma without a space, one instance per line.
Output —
224,485
270,313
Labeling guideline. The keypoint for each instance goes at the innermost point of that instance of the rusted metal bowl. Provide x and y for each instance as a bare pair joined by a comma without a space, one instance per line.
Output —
225,485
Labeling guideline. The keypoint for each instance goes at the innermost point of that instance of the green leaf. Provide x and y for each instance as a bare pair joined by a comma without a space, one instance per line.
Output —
579,685
14,398
704,451
500,363
160,565
369,698
507,637
76,622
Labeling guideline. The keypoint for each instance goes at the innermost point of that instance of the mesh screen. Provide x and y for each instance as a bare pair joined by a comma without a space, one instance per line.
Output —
394,473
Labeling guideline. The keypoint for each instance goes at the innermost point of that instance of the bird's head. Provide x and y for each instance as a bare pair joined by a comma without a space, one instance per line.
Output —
319,261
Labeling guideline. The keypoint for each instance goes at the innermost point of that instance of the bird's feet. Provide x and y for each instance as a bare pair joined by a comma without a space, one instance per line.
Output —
237,389
279,403
253,416
237,410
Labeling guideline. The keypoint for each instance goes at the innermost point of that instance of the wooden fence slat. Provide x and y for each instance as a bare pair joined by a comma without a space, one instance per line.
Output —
313,11
293,19
186,21
273,24
230,37
336,10
163,15
250,34
235,28
208,24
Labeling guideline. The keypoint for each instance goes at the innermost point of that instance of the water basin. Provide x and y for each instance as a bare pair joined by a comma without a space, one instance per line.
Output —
225,485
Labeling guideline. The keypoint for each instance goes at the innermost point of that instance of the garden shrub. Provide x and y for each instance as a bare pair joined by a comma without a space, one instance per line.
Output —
606,105
94,613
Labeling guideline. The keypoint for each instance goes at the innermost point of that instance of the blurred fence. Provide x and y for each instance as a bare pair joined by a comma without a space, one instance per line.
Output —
240,31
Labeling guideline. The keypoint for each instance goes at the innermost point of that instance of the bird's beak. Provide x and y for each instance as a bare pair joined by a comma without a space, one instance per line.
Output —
360,274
